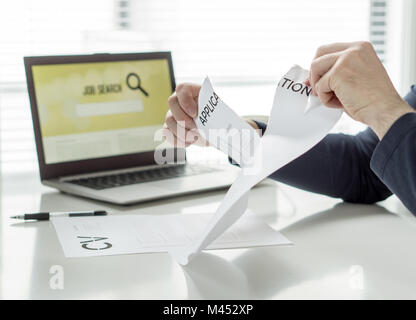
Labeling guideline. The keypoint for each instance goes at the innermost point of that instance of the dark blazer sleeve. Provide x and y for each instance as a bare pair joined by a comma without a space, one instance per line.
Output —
360,168
394,158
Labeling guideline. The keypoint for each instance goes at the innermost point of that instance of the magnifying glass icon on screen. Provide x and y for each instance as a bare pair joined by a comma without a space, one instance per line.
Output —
134,83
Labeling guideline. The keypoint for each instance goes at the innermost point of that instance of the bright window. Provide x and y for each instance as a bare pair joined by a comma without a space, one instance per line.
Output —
243,45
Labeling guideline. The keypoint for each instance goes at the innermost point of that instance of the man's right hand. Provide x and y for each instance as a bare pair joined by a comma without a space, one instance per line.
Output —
180,128
352,77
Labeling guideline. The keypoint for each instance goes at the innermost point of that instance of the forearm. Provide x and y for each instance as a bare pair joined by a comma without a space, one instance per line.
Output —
338,166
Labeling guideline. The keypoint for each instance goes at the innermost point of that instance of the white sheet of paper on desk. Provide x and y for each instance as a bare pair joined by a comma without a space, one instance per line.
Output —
297,122
128,234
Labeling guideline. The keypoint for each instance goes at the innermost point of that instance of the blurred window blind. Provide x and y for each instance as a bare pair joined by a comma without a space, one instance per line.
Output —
43,27
378,27
235,42
245,40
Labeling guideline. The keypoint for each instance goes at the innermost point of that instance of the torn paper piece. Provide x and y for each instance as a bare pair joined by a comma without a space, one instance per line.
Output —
290,132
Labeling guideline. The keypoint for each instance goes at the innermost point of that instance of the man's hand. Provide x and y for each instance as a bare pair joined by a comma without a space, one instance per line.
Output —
180,128
351,76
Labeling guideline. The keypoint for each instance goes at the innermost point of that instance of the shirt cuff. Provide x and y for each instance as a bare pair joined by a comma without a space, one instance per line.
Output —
411,97
390,143
262,126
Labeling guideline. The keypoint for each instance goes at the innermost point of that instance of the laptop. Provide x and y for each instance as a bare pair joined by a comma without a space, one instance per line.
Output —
97,121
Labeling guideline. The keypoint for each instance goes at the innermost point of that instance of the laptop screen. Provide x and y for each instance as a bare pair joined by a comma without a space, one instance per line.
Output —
100,109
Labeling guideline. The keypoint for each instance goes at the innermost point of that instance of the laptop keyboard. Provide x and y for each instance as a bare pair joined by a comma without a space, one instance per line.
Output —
127,178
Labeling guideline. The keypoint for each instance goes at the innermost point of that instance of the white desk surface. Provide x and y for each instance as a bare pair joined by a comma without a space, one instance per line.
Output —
341,251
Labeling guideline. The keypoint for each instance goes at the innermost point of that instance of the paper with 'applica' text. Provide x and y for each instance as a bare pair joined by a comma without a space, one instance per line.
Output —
297,122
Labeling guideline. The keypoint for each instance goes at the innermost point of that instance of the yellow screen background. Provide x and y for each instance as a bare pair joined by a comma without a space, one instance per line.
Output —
59,88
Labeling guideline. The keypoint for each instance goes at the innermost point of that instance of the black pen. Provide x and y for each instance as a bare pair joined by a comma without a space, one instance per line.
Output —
47,215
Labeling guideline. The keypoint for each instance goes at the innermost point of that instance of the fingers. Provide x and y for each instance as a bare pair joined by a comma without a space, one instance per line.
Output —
176,127
172,139
325,57
178,113
180,141
319,67
180,128
188,98
332,48
176,133
325,92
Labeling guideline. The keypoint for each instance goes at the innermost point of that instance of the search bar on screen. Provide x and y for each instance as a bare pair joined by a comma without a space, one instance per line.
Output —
108,108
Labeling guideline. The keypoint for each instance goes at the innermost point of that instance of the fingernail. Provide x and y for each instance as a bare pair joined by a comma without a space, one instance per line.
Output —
192,112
